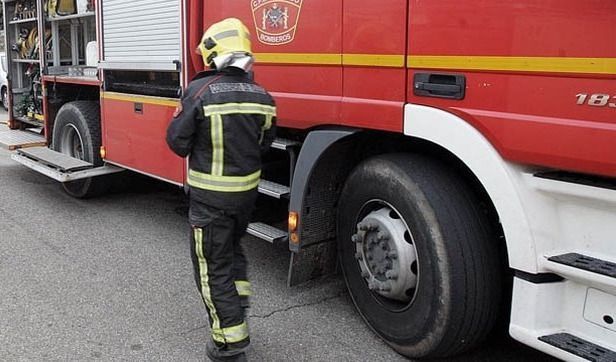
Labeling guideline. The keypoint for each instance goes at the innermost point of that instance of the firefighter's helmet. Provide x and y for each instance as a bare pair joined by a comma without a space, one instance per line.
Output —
226,43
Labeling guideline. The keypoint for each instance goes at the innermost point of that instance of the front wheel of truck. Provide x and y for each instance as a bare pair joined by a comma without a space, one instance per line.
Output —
419,257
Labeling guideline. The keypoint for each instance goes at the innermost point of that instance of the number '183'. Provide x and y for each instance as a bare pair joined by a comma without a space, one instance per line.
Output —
596,100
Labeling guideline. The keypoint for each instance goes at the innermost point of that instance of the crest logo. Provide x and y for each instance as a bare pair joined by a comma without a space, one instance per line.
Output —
276,20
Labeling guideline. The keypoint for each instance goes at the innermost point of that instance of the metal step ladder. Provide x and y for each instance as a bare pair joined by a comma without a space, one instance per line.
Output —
59,166
595,274
272,189
267,232
15,139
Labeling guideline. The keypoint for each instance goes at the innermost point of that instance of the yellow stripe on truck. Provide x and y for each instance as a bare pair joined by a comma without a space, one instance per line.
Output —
299,58
518,64
159,101
481,63
376,60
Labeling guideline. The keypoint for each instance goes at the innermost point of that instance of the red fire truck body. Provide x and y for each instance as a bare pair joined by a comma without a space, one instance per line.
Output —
465,138
346,67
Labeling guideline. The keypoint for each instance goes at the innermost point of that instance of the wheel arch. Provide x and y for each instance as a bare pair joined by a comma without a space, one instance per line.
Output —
59,94
491,172
319,175
322,149
329,155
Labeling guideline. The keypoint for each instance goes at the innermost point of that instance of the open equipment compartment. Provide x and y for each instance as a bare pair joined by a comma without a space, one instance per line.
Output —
68,26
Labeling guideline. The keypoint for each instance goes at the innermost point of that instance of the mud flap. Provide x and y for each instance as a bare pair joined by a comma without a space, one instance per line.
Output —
322,167
312,262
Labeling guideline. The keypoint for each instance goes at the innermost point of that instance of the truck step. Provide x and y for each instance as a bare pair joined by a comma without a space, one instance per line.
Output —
58,166
579,347
15,139
267,232
55,159
587,263
284,144
273,189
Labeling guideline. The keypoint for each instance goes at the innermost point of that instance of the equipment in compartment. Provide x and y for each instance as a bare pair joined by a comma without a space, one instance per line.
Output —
27,44
85,6
60,7
25,9
30,104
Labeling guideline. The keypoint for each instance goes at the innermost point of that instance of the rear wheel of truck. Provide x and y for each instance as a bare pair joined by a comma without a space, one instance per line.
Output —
419,257
77,133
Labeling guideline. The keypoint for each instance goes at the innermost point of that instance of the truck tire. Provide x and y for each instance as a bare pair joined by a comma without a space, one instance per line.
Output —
419,257
77,133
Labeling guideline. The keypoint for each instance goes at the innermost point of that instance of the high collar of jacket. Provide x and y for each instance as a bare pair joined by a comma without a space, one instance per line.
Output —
226,71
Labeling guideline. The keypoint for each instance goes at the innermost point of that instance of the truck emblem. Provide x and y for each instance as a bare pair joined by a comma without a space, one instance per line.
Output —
276,20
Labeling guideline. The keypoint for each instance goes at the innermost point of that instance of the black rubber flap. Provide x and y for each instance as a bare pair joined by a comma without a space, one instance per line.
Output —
586,263
579,347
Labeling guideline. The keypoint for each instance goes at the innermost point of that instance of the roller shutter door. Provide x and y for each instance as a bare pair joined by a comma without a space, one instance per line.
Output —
141,34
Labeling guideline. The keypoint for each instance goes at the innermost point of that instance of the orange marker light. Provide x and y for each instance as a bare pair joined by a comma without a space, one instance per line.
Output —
294,238
293,221
103,152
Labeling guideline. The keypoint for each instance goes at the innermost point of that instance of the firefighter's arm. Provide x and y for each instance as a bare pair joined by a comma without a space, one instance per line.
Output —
269,135
183,126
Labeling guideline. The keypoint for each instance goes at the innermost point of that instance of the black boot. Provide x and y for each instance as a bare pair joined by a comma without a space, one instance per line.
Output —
222,354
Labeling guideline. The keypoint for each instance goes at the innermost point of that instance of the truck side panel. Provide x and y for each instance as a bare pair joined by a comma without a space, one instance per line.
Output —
134,135
374,42
540,75
328,62
298,59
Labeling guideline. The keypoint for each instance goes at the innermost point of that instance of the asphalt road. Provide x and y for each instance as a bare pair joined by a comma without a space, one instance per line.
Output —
111,279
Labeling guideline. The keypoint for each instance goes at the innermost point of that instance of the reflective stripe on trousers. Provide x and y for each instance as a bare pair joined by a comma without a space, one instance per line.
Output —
243,288
224,335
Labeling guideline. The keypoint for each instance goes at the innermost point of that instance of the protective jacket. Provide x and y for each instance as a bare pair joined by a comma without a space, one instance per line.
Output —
225,122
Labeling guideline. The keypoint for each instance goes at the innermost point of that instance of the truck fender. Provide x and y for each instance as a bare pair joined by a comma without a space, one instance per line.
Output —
497,176
315,146
320,167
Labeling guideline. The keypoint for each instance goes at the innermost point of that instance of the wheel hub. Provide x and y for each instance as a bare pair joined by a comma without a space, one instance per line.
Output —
71,142
386,254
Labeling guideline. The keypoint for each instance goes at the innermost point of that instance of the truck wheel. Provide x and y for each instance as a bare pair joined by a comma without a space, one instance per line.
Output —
77,133
419,257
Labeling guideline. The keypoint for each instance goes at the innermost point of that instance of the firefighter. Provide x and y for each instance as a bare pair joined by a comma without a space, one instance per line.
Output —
224,123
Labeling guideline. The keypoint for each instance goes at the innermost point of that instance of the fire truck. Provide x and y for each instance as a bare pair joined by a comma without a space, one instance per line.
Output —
455,160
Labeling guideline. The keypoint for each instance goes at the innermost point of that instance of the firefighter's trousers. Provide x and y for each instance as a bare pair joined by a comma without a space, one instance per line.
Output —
221,271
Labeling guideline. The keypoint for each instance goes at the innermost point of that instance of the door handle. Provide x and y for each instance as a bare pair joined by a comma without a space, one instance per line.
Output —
451,86
441,88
